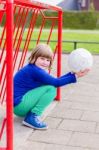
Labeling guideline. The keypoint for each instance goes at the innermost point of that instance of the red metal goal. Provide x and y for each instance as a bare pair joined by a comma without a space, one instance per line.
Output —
19,33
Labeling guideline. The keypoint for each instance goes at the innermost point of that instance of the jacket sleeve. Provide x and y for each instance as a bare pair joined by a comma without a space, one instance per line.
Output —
45,78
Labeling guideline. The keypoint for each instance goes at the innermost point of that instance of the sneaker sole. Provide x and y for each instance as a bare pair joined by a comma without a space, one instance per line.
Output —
28,125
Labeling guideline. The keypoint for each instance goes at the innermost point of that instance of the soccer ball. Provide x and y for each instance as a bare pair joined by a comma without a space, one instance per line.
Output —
80,59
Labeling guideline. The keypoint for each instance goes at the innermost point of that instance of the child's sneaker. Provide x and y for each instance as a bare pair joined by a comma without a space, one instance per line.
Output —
32,120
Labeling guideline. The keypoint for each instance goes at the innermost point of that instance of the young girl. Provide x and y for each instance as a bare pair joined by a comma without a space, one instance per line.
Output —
35,88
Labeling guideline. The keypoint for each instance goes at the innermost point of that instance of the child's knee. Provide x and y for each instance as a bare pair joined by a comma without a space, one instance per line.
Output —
52,89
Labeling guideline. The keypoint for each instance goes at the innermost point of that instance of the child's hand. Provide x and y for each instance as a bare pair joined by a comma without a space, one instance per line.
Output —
82,73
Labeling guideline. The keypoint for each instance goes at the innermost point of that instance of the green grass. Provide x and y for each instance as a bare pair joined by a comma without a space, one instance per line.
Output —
69,35
86,36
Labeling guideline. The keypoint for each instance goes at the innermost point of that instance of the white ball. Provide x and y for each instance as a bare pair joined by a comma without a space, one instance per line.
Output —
80,59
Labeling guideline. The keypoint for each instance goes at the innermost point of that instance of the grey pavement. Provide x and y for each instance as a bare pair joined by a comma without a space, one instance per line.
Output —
73,122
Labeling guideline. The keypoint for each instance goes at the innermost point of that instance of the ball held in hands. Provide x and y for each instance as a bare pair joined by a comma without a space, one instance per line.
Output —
79,60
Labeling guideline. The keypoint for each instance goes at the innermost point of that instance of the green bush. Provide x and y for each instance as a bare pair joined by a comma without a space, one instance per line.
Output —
75,20
80,20
71,20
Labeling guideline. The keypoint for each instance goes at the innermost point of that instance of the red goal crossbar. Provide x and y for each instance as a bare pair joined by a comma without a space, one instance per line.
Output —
19,33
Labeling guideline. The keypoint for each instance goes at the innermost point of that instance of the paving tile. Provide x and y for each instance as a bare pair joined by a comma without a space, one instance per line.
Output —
53,122
77,89
63,105
85,140
90,116
51,136
46,146
66,113
21,133
77,125
85,106
28,145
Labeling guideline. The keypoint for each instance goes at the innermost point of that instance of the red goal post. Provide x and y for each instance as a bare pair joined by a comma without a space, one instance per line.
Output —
18,28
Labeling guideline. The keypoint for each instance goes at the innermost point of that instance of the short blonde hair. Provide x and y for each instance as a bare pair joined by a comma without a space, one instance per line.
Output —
41,50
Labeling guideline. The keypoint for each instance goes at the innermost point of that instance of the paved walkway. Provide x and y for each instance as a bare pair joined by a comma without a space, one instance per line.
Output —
73,122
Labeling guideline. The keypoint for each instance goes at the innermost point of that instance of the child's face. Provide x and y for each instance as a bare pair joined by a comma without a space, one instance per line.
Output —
43,62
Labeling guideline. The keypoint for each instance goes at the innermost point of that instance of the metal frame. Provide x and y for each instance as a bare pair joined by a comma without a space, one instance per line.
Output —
11,46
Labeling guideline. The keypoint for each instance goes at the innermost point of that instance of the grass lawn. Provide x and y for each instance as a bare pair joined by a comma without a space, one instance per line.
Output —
86,36
70,35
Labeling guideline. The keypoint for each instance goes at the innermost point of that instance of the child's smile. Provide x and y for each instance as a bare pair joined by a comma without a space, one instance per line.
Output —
43,62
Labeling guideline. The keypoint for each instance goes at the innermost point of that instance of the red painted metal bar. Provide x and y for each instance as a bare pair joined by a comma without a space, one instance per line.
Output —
3,85
3,82
38,5
30,30
46,17
19,39
53,23
59,50
42,25
2,60
1,41
2,12
21,34
55,52
2,129
16,25
3,94
3,74
29,4
9,71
